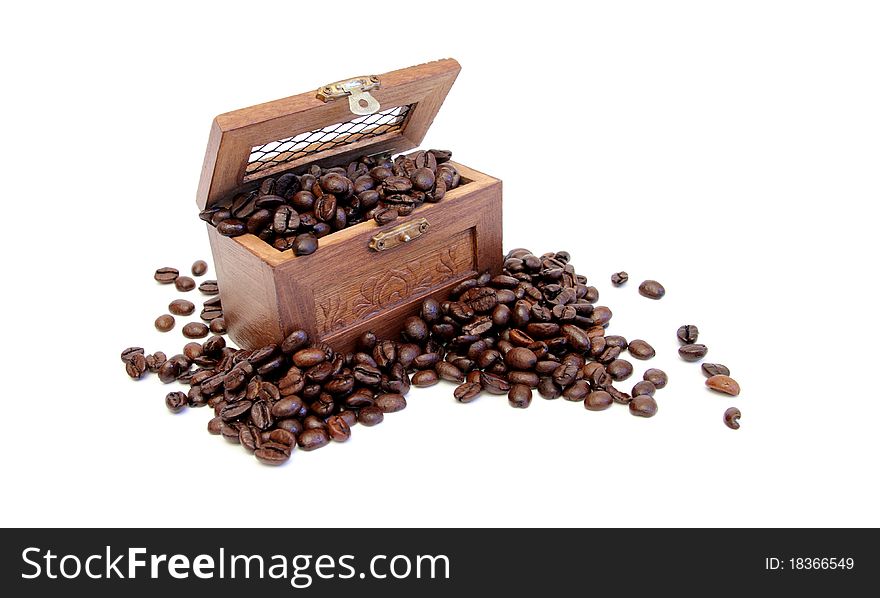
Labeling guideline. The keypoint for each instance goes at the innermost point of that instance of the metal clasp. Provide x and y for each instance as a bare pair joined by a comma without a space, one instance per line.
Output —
403,233
357,89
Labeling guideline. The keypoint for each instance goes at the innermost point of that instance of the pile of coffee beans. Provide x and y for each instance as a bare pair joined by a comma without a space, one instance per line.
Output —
535,326
717,375
291,212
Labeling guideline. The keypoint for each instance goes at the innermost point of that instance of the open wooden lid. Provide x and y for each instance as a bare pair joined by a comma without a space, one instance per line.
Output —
338,122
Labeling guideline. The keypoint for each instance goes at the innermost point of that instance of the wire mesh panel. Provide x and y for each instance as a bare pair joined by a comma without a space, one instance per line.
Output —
305,144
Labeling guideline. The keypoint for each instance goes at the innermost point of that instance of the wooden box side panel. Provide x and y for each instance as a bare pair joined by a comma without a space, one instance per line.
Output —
248,292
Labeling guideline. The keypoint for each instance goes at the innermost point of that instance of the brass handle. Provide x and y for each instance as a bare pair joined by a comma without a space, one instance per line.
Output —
403,233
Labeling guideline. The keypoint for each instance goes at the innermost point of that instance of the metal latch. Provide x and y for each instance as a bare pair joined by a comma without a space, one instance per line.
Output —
403,233
358,91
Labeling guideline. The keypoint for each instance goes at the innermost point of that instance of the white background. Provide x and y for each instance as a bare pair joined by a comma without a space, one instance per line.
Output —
729,150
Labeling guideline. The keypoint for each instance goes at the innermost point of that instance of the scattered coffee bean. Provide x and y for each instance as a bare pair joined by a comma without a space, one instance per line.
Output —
218,325
619,278
130,352
425,378
652,290
714,369
656,377
175,401
643,406
723,383
166,275
313,438
641,349
195,330
136,365
619,369
598,400
199,268
644,388
181,307
693,352
519,396
209,287
184,284
731,418
687,334
164,323
467,392
370,416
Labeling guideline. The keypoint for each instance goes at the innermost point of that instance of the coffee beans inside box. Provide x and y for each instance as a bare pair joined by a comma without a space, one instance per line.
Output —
323,215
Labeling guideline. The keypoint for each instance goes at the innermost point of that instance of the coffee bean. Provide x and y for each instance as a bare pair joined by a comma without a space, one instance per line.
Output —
390,402
270,455
519,396
370,416
195,330
645,388
723,383
619,369
687,334
641,349
693,352
449,372
714,369
618,396
295,341
192,351
199,268
155,361
548,389
415,329
175,401
731,418
652,290
598,400
467,392
209,287
643,406
656,377
338,428
425,378
520,358
166,275
164,323
313,438
386,215
218,325
493,383
619,278
131,351
184,284
181,307
214,425
231,227
305,244
577,391
136,365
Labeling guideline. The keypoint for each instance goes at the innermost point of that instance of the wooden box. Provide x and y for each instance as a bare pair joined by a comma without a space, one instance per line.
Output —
366,276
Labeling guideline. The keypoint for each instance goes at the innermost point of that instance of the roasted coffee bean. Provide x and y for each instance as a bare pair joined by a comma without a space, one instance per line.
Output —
386,215
415,329
164,323
231,227
175,401
425,378
181,307
644,387
295,341
199,268
616,341
192,351
609,354
370,416
714,369
305,244
641,349
548,389
493,383
289,406
467,392
652,290
519,396
131,351
619,278
565,374
338,428
576,337
449,372
693,352
618,396
656,377
306,358
643,406
577,391
218,325
530,379
598,400
619,369
166,275
270,455
214,425
520,358
723,383
731,418
687,334
390,402
184,284
209,287
136,365
155,361
195,330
